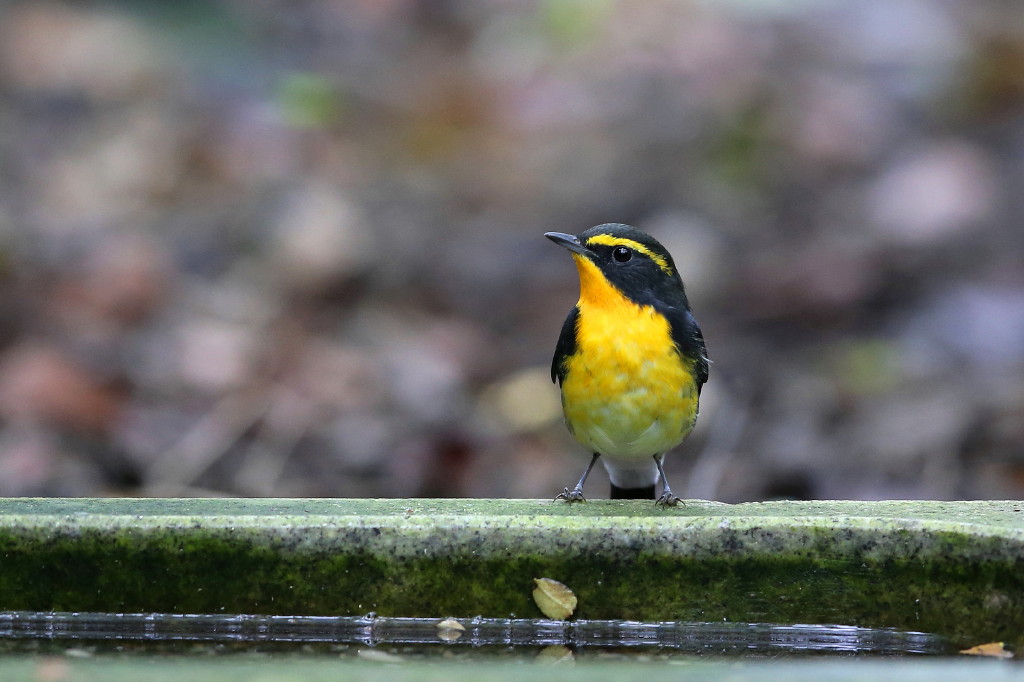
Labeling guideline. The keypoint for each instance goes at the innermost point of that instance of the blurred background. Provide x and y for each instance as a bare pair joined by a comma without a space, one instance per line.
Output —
273,248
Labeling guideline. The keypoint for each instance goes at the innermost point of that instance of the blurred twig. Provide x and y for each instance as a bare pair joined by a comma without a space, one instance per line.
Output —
206,442
288,419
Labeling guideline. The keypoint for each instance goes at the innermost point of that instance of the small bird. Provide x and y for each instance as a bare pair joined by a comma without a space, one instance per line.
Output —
630,360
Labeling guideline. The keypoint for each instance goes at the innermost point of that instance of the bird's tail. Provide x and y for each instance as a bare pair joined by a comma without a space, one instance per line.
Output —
641,493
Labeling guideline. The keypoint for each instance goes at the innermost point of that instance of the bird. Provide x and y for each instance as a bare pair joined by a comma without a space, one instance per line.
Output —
630,360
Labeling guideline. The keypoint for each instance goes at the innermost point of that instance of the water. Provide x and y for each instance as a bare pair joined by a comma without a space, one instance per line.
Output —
25,631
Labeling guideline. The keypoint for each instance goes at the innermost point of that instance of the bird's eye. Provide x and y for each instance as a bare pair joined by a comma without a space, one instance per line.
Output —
622,254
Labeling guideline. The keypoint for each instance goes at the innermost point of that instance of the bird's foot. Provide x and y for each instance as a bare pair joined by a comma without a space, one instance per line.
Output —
667,499
574,495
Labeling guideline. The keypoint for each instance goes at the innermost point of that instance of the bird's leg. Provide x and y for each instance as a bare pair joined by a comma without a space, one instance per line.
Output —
576,494
667,499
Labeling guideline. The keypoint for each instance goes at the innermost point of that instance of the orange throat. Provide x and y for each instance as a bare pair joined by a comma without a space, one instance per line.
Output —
627,393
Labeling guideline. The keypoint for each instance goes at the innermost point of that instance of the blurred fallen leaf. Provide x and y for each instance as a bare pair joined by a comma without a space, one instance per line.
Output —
555,600
377,656
450,629
555,654
52,670
42,383
522,401
992,649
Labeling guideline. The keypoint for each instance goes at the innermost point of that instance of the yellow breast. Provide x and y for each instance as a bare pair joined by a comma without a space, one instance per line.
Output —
627,393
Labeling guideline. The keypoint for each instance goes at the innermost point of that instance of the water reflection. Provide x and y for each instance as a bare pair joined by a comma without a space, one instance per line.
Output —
372,630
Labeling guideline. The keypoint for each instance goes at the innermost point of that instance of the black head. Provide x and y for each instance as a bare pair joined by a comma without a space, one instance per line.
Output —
632,261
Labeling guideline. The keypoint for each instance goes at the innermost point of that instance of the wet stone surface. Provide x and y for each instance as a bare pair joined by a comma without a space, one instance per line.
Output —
943,568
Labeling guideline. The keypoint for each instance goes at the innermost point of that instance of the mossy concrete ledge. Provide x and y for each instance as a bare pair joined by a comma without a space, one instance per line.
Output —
951,568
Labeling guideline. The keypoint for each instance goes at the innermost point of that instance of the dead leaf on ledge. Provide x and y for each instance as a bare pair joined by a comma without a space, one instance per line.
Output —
555,600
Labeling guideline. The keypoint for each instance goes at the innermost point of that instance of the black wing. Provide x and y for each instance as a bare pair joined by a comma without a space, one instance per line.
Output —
690,341
565,347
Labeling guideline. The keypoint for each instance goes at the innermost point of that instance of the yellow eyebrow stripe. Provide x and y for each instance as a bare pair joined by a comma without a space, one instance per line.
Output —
609,240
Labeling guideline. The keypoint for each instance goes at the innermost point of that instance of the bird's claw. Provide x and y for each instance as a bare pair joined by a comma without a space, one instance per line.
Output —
574,495
667,499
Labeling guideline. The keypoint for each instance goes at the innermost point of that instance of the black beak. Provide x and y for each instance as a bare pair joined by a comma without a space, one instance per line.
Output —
569,241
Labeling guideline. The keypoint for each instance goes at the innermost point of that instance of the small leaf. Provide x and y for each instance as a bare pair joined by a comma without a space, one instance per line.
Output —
993,649
555,600
450,629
